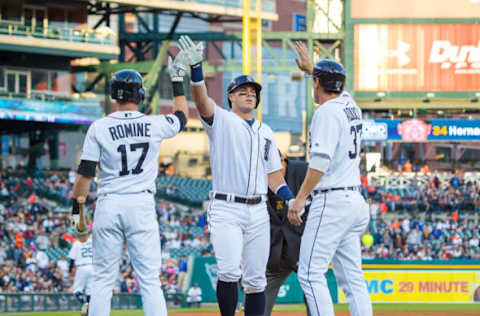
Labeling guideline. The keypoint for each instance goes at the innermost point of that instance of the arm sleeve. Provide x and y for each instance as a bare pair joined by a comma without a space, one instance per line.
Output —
87,168
167,126
324,134
271,155
91,147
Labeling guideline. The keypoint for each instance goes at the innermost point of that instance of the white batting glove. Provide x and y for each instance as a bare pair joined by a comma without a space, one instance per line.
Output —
177,69
193,52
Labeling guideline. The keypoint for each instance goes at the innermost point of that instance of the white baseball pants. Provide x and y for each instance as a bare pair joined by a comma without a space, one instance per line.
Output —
83,279
332,235
240,235
130,218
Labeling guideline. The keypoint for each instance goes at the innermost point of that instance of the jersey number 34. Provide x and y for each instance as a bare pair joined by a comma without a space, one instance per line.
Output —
122,149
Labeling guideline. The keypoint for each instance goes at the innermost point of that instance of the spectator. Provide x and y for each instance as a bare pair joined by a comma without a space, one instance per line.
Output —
194,296
182,271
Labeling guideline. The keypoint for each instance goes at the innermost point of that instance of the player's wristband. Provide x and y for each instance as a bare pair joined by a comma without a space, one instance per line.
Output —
178,90
284,193
196,73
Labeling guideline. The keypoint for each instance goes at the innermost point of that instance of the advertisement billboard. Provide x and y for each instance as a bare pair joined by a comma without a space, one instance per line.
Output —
415,130
417,57
414,9
51,112
421,286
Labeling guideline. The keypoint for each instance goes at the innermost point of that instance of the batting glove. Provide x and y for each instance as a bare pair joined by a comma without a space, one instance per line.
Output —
193,52
177,69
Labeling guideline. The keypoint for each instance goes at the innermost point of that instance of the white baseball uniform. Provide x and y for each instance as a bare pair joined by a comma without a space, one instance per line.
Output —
337,217
241,157
81,254
127,144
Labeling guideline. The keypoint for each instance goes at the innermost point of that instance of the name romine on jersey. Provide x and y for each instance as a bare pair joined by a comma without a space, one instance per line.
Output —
126,130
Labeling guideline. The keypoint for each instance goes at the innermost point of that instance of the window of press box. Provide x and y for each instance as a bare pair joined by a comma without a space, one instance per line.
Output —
11,11
59,81
50,81
39,80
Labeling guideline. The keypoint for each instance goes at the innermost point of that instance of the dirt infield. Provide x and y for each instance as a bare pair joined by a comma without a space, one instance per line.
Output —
345,313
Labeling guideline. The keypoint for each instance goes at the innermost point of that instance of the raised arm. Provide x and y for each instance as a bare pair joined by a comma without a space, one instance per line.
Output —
194,55
177,69
304,62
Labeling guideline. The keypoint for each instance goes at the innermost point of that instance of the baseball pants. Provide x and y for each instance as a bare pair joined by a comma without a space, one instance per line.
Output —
332,235
130,218
83,279
240,235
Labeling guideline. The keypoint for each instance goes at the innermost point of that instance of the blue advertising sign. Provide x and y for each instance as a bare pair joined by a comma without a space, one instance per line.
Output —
415,130
44,111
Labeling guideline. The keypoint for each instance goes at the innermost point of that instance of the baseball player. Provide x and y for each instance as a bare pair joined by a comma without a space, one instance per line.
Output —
338,213
125,144
284,237
245,162
81,257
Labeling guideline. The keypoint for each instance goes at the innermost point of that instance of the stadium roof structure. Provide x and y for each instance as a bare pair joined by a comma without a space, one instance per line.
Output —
230,8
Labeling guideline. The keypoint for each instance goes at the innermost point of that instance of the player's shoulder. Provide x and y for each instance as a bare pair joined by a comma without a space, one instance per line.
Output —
265,127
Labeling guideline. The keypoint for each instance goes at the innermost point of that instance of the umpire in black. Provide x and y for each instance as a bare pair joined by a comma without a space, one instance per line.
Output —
284,237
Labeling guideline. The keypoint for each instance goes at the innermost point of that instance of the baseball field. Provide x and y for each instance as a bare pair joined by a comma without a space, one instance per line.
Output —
297,310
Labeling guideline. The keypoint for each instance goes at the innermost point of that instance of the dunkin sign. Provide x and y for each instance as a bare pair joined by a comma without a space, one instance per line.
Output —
417,57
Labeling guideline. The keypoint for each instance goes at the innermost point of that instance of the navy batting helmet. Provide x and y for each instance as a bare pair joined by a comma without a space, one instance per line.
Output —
127,86
330,74
241,81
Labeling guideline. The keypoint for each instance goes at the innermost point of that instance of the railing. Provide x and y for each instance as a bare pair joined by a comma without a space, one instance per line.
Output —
59,33
45,302
40,302
50,97
403,180
267,5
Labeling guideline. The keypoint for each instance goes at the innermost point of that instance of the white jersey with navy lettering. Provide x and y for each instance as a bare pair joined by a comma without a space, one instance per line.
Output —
241,156
81,252
335,134
126,144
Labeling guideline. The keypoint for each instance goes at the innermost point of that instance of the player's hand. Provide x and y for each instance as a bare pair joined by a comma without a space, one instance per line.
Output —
177,69
296,207
304,62
193,52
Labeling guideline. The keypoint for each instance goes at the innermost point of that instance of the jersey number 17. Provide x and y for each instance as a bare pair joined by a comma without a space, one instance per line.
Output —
122,149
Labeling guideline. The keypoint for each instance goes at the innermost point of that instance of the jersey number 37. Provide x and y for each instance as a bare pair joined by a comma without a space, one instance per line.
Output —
356,131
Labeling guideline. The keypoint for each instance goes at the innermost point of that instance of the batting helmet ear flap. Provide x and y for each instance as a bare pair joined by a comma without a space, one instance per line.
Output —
228,99
141,95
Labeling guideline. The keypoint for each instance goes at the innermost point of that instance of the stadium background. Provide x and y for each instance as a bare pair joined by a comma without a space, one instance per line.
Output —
414,69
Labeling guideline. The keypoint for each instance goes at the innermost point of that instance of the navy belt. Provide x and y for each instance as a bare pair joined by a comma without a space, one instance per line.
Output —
354,188
238,199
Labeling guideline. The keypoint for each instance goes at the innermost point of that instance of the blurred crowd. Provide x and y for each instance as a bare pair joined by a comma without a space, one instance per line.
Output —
35,236
411,238
434,196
